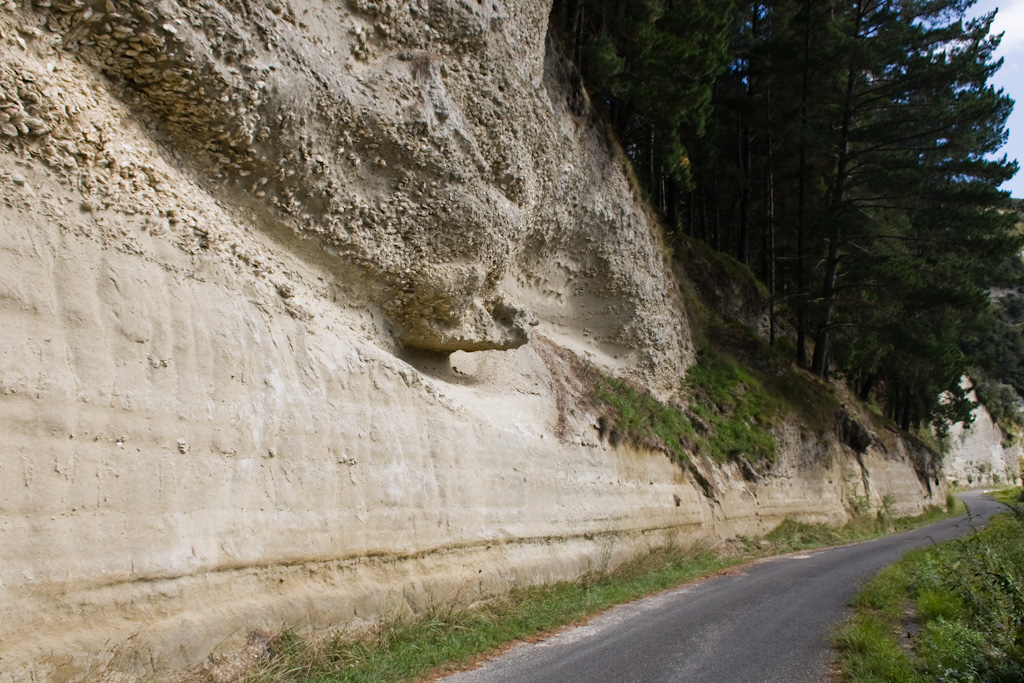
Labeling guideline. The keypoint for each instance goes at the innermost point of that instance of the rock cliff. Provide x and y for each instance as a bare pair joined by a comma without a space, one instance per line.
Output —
281,286
979,456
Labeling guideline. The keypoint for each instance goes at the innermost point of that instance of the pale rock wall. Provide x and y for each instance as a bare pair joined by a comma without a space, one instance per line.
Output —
977,456
226,394
434,148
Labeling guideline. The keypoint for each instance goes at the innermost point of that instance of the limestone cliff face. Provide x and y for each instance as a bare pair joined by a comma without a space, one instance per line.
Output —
436,152
280,288
977,455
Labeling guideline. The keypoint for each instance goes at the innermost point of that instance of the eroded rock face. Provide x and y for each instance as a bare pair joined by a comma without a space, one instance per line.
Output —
244,248
228,233
978,455
422,143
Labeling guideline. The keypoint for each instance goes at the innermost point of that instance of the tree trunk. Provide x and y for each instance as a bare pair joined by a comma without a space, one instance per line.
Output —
577,32
770,206
905,420
716,227
691,212
705,223
801,212
745,144
821,347
652,181
743,232
867,386
672,204
819,365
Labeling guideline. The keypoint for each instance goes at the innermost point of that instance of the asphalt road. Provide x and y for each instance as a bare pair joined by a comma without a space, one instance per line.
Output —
766,621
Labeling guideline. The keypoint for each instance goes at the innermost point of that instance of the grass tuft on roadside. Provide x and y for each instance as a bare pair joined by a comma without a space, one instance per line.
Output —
792,536
879,656
1013,495
961,602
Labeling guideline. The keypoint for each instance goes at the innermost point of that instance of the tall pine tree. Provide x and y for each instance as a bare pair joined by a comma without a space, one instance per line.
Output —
841,148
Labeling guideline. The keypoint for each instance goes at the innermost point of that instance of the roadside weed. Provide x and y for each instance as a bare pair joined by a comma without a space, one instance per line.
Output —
963,603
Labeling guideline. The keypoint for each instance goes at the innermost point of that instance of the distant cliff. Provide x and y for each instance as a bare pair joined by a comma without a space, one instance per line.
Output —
287,293
978,456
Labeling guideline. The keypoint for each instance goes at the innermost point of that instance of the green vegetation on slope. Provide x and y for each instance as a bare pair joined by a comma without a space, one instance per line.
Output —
734,409
728,417
963,604
740,388
633,414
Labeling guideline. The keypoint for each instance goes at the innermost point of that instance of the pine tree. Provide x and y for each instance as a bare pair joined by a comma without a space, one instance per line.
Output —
841,148
913,229
652,64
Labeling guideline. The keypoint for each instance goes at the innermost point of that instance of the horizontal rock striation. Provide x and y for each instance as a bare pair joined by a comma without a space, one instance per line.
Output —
278,287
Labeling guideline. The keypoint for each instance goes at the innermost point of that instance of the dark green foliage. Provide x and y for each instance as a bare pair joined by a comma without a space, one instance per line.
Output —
911,229
844,151
996,347
603,64
651,64
1003,403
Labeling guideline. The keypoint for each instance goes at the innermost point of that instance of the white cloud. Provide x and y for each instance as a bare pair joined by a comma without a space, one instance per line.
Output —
1010,22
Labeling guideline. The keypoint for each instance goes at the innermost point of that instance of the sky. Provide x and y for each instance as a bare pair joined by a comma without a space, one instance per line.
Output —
1010,22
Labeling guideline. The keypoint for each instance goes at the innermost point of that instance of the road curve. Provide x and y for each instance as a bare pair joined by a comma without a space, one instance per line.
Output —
766,621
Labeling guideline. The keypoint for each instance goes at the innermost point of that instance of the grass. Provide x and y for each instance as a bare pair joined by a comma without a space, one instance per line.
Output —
963,603
637,416
1009,495
791,535
879,654
728,417
417,648
736,409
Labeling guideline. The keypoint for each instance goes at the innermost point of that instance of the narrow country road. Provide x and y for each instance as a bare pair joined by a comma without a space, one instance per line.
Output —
767,621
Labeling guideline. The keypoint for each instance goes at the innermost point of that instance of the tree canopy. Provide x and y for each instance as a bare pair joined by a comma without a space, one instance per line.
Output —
843,149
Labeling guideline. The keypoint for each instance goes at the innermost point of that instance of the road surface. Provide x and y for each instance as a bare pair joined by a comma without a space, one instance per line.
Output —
766,621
